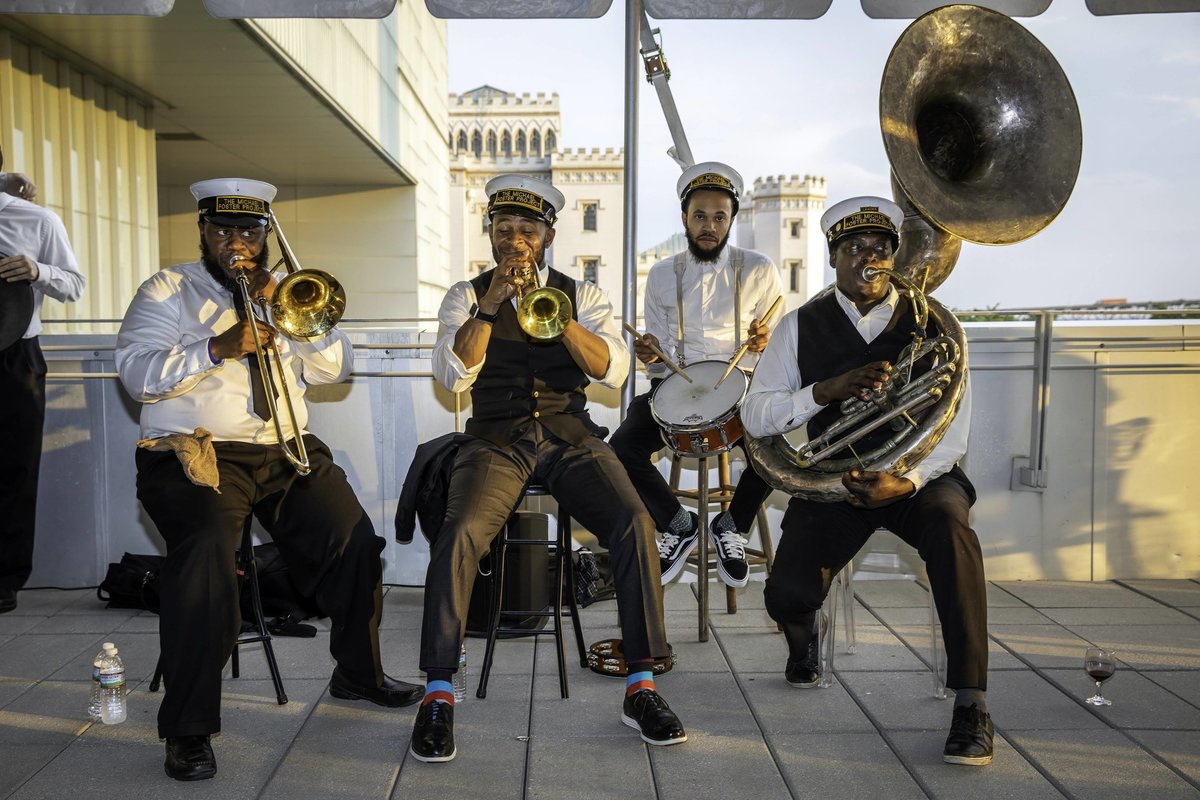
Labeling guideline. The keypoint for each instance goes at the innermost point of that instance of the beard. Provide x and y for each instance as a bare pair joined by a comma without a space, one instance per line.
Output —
702,253
220,275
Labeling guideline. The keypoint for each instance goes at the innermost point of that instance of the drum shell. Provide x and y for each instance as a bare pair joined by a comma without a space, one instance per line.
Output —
717,433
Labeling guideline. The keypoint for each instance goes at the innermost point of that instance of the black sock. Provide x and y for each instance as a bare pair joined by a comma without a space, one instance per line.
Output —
968,697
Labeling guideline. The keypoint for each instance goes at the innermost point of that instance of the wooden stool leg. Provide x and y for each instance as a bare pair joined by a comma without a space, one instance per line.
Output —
702,563
727,489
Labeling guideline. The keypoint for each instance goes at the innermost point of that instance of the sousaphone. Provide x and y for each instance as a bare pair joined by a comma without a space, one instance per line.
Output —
984,139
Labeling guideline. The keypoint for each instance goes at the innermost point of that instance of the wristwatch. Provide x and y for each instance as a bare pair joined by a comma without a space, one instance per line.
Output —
481,315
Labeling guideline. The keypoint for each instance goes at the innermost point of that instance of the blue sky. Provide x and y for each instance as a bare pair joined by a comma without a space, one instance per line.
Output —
802,97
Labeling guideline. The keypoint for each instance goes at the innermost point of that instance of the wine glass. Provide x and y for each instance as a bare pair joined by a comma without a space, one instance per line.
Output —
1100,665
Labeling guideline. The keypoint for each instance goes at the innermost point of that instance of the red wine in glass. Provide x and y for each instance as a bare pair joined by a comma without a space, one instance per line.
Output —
1100,664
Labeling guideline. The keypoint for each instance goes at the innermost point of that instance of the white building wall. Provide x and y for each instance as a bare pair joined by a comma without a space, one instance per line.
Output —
781,216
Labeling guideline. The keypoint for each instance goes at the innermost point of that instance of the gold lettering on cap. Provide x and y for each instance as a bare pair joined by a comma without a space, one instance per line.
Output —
709,179
239,205
519,197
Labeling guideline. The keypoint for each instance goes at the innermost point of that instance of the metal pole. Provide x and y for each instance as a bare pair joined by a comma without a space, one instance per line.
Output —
1035,475
633,72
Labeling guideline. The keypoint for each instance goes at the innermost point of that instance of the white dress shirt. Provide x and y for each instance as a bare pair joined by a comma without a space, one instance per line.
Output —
30,230
593,311
775,405
709,330
163,359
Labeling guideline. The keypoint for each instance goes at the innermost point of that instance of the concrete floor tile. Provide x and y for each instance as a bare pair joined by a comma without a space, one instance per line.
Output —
1146,646
843,766
1076,594
1024,700
47,602
1008,777
579,768
1101,764
783,710
716,764
1184,683
1137,701
898,701
17,624
1043,646
1161,615
30,656
1180,749
1172,593
63,622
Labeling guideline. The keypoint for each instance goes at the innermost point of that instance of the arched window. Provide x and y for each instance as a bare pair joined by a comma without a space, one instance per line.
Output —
535,144
477,144
551,142
520,144
491,144
506,145
462,141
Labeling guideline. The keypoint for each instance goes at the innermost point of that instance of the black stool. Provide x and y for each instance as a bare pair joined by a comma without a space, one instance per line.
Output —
246,569
560,549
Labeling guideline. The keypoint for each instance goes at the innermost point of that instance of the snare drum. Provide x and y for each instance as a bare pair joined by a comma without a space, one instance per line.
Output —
697,420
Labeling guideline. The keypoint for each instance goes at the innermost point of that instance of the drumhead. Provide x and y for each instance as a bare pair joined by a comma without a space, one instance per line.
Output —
679,404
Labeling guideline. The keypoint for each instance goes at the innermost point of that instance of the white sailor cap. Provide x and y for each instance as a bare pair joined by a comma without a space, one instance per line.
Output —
710,175
240,202
525,196
862,215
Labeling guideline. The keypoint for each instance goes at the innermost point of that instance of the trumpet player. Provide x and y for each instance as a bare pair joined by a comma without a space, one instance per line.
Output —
702,304
530,423
843,344
210,457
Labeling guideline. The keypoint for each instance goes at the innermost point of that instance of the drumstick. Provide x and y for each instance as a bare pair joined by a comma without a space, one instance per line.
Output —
675,367
742,350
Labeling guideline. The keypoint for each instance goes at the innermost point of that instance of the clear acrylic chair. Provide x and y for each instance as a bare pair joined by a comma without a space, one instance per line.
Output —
841,592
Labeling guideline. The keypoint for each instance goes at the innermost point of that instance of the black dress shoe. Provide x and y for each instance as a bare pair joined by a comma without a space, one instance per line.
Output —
805,672
8,600
391,693
433,733
650,714
970,739
190,758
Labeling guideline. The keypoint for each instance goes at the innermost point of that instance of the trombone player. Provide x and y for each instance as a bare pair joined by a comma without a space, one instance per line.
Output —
841,344
530,423
210,457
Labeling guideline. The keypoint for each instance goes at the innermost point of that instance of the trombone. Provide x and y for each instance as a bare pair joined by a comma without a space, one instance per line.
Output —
307,304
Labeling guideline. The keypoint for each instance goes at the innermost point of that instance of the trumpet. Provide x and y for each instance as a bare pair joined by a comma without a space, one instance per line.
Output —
542,311
306,305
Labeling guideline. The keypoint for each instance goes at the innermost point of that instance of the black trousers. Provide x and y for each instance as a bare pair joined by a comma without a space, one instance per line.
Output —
640,437
818,539
590,485
324,535
22,415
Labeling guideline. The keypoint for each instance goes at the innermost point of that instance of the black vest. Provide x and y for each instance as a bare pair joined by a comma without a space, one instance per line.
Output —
524,379
827,345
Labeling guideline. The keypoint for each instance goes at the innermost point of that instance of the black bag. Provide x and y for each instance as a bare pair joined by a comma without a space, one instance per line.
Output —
132,582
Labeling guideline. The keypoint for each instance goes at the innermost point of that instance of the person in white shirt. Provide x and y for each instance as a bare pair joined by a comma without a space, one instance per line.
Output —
35,260
700,305
842,344
529,423
186,351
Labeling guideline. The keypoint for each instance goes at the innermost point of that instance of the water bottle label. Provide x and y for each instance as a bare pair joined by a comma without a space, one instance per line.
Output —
110,680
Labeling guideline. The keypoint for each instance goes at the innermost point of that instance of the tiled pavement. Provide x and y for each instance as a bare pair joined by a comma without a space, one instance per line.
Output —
877,732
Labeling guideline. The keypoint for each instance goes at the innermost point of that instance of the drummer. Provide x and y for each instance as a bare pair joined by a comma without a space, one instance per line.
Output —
701,304
35,260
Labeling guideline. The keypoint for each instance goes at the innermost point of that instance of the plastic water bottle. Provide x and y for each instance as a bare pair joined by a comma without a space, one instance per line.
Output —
94,699
112,686
460,677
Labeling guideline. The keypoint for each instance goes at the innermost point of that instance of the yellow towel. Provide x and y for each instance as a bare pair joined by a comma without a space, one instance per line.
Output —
195,452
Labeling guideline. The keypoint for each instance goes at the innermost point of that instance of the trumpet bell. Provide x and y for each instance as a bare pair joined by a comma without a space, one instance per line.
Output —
307,304
544,313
